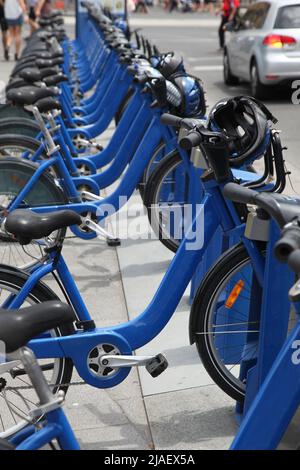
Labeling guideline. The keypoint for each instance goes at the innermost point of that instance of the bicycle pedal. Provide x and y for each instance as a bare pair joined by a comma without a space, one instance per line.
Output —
19,372
157,365
113,241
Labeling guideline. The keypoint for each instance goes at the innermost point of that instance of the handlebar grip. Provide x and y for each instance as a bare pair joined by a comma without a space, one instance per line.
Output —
288,244
170,120
294,261
238,193
140,79
193,139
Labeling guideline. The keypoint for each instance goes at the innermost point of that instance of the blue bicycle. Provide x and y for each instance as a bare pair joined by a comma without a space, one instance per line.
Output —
43,422
103,357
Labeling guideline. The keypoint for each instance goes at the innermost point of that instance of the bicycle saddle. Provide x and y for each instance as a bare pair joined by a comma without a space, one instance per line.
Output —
41,63
27,225
14,83
42,55
29,95
17,327
55,79
51,22
33,74
47,104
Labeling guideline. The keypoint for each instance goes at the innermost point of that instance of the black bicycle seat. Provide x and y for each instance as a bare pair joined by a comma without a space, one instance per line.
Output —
17,327
55,79
41,63
31,74
27,225
15,82
47,104
51,21
28,95
40,54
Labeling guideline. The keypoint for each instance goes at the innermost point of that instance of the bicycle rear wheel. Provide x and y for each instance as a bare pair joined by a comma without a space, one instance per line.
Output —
19,126
17,396
14,174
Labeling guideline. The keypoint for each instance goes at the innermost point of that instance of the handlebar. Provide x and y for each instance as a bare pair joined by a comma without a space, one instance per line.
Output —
294,261
171,120
287,248
237,193
175,121
288,243
192,139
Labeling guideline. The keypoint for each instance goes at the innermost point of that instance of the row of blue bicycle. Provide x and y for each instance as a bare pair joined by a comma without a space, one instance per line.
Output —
62,95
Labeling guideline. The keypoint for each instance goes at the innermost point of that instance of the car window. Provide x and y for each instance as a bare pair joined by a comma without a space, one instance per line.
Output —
288,17
255,16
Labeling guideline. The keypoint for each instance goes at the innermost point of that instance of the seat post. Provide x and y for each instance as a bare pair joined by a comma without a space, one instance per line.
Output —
50,142
37,378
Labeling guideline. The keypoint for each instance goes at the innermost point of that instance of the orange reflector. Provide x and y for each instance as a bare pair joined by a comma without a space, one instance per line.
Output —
232,298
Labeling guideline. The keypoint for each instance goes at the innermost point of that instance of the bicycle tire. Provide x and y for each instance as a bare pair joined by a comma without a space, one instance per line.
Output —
167,164
233,260
19,126
155,159
14,173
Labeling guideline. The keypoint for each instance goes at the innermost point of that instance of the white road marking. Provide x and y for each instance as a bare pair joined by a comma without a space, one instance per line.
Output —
208,68
201,59
172,23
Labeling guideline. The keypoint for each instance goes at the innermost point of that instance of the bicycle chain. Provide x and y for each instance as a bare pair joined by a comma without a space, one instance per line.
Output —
28,387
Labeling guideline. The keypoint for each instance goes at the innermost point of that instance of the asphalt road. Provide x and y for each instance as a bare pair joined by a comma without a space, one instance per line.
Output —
195,36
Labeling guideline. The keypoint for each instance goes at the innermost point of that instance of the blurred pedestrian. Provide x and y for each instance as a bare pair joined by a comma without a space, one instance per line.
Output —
15,14
141,5
173,5
43,7
198,5
4,30
208,6
32,5
228,10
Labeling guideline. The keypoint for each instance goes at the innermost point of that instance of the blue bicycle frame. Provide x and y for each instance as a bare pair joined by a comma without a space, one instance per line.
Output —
132,335
56,427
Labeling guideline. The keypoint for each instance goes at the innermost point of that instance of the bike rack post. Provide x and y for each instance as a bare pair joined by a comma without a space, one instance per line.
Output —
274,318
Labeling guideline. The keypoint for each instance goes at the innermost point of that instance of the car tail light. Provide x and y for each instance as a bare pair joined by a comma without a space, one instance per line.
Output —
278,41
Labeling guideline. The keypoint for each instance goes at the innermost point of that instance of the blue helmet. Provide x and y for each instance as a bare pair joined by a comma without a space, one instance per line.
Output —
193,100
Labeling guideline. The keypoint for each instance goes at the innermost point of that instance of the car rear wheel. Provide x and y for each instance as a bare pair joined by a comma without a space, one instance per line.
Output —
258,89
229,79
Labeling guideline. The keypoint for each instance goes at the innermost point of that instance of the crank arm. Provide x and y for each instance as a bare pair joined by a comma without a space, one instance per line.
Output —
100,231
155,365
90,196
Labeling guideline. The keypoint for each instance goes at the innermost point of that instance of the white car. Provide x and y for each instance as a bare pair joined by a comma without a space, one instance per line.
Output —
262,46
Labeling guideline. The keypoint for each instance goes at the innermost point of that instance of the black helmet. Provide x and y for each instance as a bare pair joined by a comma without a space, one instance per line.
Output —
245,121
170,63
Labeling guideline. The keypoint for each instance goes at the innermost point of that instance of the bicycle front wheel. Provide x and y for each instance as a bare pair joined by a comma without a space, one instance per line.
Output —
225,321
166,196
